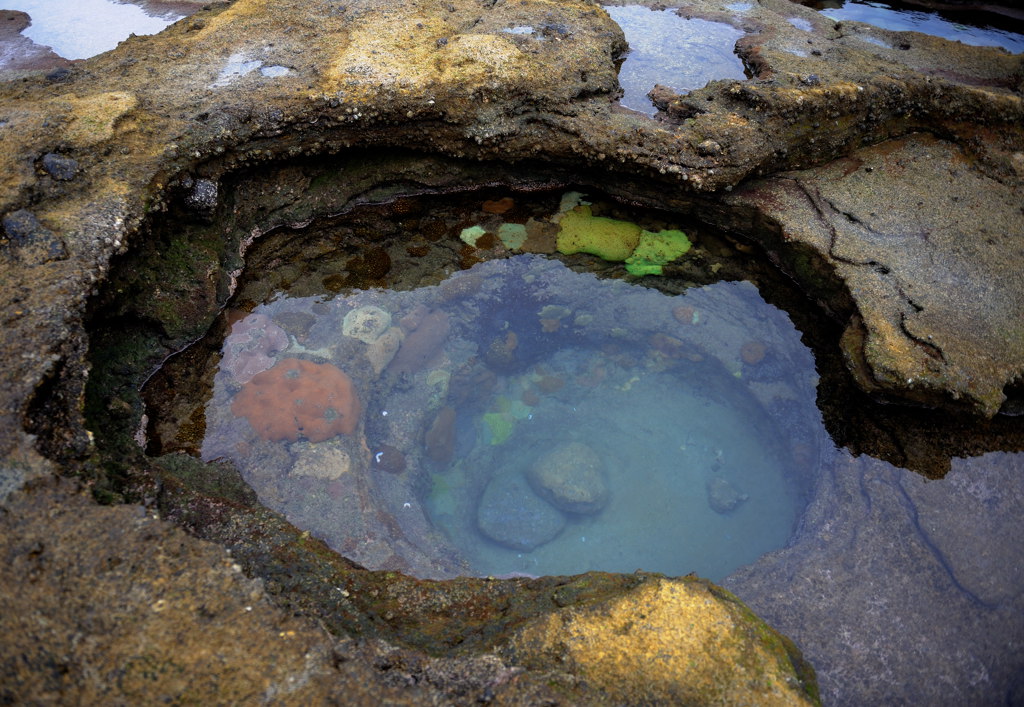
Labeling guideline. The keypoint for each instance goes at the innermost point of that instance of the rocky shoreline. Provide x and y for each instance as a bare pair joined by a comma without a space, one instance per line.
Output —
885,178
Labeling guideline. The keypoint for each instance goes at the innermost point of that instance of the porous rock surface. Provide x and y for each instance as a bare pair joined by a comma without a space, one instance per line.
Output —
160,120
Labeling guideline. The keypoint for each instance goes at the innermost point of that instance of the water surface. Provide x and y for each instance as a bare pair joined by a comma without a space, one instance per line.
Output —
899,19
80,29
664,48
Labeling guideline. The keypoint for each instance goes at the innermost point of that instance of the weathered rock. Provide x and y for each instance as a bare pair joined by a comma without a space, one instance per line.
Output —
149,120
31,241
931,289
58,167
511,514
638,648
904,580
114,604
571,477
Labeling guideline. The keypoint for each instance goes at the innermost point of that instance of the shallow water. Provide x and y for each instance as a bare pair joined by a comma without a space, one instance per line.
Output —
899,19
664,48
80,29
698,408
681,438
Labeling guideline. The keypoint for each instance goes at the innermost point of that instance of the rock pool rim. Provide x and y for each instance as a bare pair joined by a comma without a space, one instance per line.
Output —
836,396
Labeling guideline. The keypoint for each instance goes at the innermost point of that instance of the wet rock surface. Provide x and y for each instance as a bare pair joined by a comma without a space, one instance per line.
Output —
929,247
890,577
926,302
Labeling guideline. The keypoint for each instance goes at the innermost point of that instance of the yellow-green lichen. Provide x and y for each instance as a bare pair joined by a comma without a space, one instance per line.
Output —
582,232
655,250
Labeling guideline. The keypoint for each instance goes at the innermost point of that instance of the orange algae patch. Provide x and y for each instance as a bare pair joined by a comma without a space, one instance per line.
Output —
498,206
298,398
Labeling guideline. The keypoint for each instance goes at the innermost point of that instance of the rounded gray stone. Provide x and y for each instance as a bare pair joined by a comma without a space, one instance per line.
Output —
511,514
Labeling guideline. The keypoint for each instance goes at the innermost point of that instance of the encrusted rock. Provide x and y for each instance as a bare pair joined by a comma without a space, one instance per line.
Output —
723,496
298,398
381,350
366,323
321,461
571,477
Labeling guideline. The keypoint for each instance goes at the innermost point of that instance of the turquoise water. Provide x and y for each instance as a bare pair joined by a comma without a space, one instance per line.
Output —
684,404
664,446
664,48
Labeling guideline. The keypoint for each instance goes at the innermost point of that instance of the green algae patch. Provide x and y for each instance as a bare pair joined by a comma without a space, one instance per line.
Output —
512,235
500,426
644,252
655,250
610,239
472,234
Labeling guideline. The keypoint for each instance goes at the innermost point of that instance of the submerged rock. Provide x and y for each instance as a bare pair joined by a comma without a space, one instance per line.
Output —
571,477
366,323
321,461
511,514
723,496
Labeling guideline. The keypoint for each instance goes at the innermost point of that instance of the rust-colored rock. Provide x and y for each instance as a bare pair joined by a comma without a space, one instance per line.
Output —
498,206
298,398
440,437
422,344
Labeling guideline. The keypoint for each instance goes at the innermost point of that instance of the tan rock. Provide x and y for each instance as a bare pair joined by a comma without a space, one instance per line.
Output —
320,461
669,641
381,350
571,477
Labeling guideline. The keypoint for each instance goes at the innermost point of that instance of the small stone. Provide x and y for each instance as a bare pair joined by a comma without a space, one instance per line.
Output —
571,477
389,459
723,496
203,196
35,242
60,168
321,462
511,514
366,323
381,350
709,148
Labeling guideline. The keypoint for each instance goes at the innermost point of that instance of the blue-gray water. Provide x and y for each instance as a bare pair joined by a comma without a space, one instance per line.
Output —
664,48
888,17
79,29
673,395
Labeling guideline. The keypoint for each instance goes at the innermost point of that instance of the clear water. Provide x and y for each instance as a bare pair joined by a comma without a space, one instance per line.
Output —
662,443
888,17
79,29
471,384
669,393
664,48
